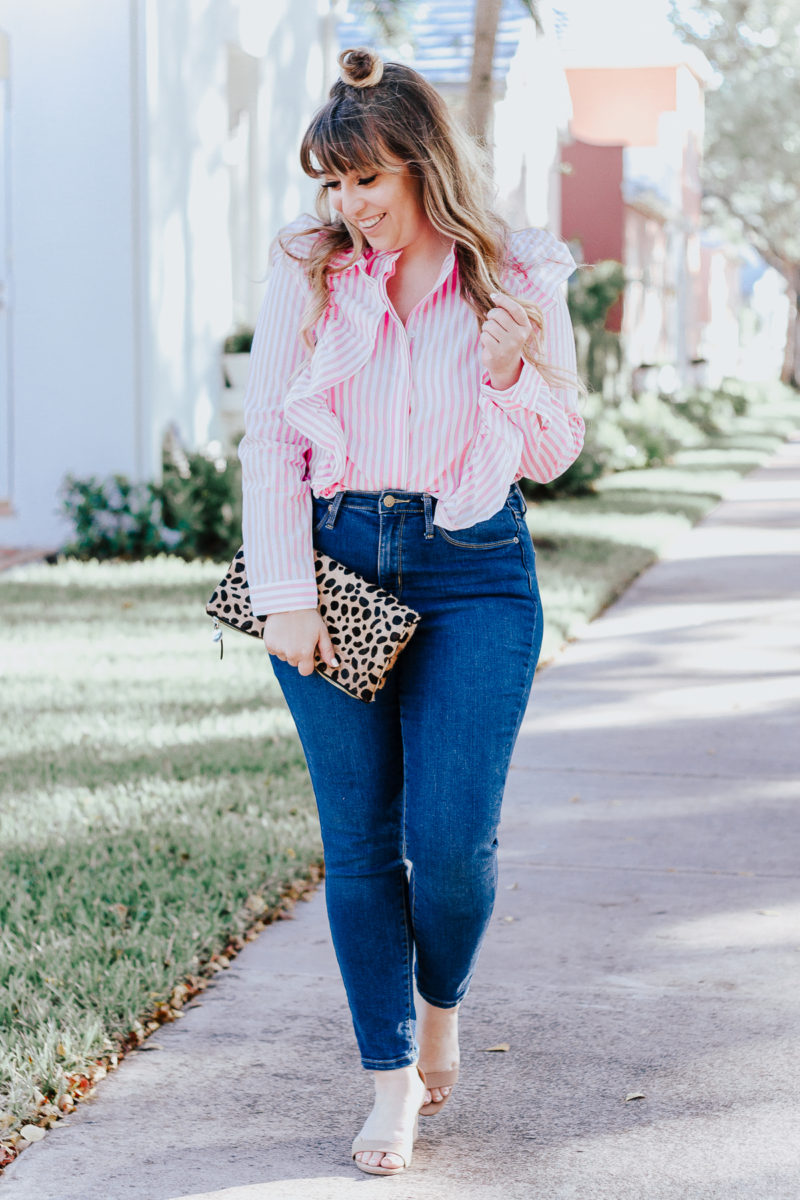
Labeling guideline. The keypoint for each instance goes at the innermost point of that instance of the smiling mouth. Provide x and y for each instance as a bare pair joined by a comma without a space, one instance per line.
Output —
366,226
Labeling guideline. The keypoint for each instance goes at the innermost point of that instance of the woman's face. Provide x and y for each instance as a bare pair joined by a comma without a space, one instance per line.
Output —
386,206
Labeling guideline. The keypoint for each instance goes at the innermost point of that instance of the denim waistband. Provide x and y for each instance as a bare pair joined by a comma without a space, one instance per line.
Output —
389,502
387,498
396,501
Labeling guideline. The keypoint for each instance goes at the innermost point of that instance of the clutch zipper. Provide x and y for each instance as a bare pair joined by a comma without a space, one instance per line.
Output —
216,635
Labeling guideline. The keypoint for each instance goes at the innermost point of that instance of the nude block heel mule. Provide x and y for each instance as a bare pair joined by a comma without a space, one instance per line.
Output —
402,1146
439,1079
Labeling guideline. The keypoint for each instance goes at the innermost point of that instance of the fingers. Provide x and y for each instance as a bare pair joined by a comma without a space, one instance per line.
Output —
512,307
326,650
500,322
294,637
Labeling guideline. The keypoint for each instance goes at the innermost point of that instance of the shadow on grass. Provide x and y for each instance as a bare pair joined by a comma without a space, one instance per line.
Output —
98,766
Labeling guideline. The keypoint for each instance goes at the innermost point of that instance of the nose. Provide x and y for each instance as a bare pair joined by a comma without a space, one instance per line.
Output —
352,201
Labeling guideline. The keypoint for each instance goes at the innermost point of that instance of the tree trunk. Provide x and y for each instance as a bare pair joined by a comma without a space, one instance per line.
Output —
791,361
480,96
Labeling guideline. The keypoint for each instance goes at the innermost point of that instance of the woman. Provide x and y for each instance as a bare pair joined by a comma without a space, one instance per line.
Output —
412,361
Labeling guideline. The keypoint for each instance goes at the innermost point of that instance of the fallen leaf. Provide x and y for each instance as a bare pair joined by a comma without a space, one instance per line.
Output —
509,919
32,1133
768,912
501,1046
635,1096
511,887
574,799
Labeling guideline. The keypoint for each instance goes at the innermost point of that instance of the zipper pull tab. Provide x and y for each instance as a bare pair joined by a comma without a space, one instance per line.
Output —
216,636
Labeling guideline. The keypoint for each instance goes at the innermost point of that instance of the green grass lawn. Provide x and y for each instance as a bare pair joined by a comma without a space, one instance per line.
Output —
154,801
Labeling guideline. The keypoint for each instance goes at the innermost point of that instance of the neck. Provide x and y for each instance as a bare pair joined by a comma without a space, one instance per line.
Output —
429,246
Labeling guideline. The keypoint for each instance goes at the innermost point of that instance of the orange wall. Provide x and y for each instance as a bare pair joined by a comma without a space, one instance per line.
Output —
620,104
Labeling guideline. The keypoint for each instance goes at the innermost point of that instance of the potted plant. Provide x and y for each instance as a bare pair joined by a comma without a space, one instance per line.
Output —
236,356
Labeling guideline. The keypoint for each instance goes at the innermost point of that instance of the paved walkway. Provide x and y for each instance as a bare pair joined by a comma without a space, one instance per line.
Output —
646,942
15,556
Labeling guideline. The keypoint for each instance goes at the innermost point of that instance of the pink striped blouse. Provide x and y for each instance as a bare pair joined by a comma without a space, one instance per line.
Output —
379,405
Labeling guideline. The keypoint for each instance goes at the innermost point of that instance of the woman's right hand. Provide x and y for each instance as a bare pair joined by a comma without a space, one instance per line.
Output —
294,636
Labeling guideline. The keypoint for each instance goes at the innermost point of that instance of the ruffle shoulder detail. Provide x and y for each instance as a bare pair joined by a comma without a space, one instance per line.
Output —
537,265
294,241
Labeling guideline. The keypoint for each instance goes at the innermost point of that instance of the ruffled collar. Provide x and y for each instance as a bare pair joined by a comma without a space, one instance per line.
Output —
380,264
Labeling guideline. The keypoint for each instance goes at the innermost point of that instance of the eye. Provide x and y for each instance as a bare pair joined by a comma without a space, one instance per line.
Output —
370,179
330,183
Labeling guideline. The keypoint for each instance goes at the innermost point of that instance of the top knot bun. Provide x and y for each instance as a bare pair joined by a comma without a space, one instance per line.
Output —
360,68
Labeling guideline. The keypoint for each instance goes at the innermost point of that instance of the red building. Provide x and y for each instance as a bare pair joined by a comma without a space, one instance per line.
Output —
631,191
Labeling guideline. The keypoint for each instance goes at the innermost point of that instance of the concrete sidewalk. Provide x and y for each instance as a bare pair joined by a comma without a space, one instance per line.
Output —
646,941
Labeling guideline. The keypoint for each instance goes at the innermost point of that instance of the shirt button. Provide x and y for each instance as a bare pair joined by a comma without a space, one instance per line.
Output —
389,501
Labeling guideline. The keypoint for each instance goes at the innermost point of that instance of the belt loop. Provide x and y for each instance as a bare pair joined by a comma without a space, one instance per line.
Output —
333,510
428,505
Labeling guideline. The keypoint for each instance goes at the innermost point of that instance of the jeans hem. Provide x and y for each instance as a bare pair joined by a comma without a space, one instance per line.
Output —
436,1003
389,1064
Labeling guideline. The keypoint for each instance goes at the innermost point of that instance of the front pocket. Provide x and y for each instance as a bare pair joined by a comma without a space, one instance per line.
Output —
500,530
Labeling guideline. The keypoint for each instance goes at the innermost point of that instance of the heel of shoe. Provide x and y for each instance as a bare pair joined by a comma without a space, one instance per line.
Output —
439,1079
404,1148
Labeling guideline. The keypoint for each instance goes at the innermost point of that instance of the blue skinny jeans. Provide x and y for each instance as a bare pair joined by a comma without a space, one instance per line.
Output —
409,787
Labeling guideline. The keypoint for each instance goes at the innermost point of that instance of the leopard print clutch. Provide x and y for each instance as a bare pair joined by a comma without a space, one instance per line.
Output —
368,625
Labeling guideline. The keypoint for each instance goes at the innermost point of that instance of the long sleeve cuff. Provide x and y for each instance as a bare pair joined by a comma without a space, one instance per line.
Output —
288,595
528,395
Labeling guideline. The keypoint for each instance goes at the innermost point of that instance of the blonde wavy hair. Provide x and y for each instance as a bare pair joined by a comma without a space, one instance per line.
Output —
383,113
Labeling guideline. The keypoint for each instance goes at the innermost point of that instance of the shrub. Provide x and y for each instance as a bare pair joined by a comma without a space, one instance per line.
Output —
114,518
201,498
194,512
656,427
606,448
593,290
641,431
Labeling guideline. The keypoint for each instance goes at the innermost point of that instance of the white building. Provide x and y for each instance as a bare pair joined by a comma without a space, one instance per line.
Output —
148,154
532,105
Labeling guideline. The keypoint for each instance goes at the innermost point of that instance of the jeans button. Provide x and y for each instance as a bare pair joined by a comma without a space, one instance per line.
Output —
389,501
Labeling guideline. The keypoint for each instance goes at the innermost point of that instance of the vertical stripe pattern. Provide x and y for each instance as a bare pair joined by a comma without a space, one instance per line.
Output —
382,406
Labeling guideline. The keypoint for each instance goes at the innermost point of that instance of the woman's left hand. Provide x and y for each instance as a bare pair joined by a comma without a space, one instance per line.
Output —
503,334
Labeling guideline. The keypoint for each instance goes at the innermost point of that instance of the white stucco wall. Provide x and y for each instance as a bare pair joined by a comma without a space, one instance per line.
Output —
188,296
121,199
530,122
72,374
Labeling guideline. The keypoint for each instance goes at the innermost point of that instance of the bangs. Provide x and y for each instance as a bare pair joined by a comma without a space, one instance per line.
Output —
338,142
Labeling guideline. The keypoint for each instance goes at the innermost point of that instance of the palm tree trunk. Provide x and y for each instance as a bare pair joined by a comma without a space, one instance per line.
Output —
480,95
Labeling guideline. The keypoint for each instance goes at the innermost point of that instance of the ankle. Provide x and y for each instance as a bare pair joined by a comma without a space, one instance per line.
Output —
398,1082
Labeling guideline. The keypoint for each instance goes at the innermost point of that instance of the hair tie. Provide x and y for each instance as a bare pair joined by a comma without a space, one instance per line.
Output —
360,68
